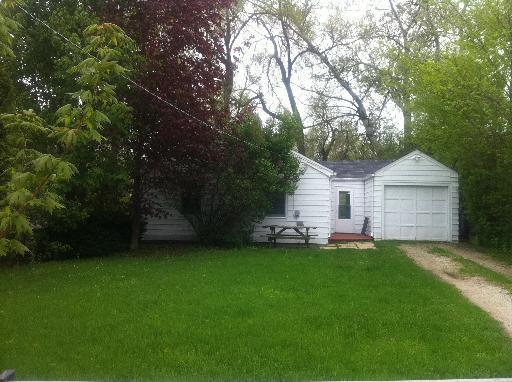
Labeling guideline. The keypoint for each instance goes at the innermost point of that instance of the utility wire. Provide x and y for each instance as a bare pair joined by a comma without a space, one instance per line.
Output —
136,84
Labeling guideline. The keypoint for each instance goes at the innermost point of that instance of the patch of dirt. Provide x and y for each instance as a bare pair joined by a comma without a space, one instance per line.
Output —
489,297
479,258
351,245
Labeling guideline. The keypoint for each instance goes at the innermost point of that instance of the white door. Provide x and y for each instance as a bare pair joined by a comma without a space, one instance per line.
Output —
344,212
416,213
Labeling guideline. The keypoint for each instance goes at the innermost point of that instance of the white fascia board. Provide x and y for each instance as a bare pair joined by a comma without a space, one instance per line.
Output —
317,166
412,154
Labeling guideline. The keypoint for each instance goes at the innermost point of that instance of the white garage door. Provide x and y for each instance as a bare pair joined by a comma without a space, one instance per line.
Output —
416,213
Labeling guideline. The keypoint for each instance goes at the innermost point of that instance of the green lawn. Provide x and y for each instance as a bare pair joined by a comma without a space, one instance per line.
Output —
243,314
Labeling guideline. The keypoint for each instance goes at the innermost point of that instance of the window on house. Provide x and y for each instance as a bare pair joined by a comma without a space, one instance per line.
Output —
190,202
344,205
278,208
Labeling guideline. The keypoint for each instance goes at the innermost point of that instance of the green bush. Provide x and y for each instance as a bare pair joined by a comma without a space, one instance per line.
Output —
71,233
238,188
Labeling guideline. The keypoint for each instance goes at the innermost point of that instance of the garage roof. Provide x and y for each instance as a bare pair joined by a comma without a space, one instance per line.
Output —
355,168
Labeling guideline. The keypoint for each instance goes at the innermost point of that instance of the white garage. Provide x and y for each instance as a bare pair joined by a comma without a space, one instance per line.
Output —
414,198
416,213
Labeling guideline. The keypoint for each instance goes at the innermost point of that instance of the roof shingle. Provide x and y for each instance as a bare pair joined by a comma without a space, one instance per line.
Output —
355,168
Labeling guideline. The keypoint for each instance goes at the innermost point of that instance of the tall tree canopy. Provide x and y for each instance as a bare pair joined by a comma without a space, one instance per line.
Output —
31,171
177,111
463,115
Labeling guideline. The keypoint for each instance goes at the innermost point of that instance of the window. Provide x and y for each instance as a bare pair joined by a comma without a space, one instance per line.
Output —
344,211
190,202
278,208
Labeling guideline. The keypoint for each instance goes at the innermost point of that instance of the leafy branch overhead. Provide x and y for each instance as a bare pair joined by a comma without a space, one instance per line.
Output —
84,120
31,174
7,27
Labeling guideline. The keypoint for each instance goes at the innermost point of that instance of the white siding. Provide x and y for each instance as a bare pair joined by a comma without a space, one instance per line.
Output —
368,204
409,171
454,190
356,186
174,226
313,199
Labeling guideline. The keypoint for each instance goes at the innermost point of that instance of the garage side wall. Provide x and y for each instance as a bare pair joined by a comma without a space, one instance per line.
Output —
312,199
368,203
409,171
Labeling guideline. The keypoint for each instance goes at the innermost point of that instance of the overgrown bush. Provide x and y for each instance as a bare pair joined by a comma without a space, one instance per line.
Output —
73,233
96,217
238,188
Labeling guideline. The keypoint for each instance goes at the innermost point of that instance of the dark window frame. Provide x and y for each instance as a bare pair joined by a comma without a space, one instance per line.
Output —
345,209
278,208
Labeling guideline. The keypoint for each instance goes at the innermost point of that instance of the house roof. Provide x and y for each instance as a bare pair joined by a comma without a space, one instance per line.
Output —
316,165
355,168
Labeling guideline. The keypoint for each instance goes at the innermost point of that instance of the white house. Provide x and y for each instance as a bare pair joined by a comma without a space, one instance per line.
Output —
412,198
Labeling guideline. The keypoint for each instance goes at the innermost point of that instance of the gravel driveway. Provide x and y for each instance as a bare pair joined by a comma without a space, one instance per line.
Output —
493,299
479,258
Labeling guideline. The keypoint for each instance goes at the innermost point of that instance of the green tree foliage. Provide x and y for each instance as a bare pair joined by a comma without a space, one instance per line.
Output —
333,136
238,190
7,27
96,211
30,172
43,58
84,120
463,115
31,177
407,31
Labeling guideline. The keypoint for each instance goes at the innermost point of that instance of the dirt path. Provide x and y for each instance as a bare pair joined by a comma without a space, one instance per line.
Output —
491,298
479,258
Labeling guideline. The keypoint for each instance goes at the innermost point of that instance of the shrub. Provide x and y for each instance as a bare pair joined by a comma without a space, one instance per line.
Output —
237,190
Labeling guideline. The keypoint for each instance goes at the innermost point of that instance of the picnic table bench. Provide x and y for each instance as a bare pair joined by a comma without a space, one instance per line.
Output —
280,232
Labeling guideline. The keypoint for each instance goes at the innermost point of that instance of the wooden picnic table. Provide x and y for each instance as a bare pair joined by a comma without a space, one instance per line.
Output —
280,232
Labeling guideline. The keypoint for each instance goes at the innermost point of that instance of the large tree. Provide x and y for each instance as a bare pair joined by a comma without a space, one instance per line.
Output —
392,39
30,169
178,110
463,108
39,79
283,57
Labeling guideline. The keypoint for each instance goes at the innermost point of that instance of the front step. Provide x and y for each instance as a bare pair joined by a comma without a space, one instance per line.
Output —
340,237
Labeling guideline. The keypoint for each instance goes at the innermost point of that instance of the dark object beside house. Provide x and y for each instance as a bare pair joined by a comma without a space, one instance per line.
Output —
365,225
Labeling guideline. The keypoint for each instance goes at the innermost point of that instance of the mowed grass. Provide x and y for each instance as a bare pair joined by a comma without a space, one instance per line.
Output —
250,314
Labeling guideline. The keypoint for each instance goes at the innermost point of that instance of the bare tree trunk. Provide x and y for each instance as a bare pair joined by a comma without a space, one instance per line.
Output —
235,22
407,121
286,70
301,147
361,109
229,67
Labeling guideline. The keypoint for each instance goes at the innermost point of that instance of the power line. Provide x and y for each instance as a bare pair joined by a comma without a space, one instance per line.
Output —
134,83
